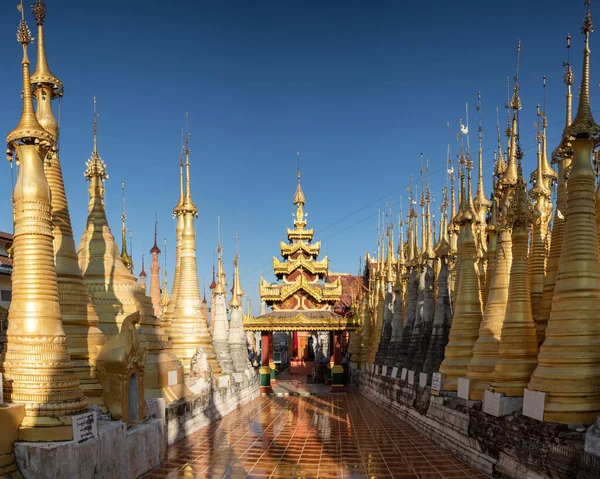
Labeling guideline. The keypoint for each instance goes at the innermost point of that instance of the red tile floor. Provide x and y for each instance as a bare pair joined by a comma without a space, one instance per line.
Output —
333,436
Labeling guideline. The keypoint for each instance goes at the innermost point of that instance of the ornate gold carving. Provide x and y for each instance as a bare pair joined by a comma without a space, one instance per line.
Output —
287,267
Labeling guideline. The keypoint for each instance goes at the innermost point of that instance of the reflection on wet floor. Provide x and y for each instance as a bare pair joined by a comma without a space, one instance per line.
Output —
335,436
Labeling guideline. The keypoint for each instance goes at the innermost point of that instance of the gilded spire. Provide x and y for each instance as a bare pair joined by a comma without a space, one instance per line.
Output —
401,255
95,167
428,248
28,131
164,296
188,204
124,254
481,201
442,248
584,125
237,293
411,219
42,74
510,175
221,287
299,200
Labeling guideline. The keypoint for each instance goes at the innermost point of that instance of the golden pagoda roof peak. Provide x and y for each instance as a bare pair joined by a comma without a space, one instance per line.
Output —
188,205
583,125
481,200
28,131
124,254
237,292
42,74
564,148
221,287
95,167
178,207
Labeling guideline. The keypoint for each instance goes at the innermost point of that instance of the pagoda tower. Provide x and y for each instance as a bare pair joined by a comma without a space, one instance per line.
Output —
115,291
303,300
237,335
188,329
568,370
79,317
561,156
480,371
468,310
155,275
143,276
542,178
127,261
167,317
220,330
37,368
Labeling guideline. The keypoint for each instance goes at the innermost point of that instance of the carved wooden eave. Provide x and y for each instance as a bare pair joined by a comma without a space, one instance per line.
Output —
295,320
290,249
328,292
300,234
287,267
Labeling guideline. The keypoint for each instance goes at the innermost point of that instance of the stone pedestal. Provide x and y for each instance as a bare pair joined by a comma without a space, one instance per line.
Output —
497,404
116,452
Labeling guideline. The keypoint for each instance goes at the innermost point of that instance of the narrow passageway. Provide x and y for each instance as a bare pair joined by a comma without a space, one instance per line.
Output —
332,436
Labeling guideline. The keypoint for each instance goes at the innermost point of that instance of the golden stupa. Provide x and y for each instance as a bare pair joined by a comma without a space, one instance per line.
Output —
37,368
167,317
115,290
485,351
562,155
188,328
568,370
79,317
468,312
518,347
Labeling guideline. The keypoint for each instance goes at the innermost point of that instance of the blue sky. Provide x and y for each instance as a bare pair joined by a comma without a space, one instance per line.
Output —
361,88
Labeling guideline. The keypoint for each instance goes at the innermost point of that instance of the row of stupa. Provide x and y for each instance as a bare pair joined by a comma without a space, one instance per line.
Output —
506,300
69,303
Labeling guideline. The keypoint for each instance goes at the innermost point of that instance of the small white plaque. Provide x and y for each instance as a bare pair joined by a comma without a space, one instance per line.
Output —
384,370
403,374
534,403
436,381
394,372
491,403
1,391
463,387
85,427
423,379
371,368
377,369
224,381
411,377
172,378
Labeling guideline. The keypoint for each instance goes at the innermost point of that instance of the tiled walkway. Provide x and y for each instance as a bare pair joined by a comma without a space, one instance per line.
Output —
337,436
